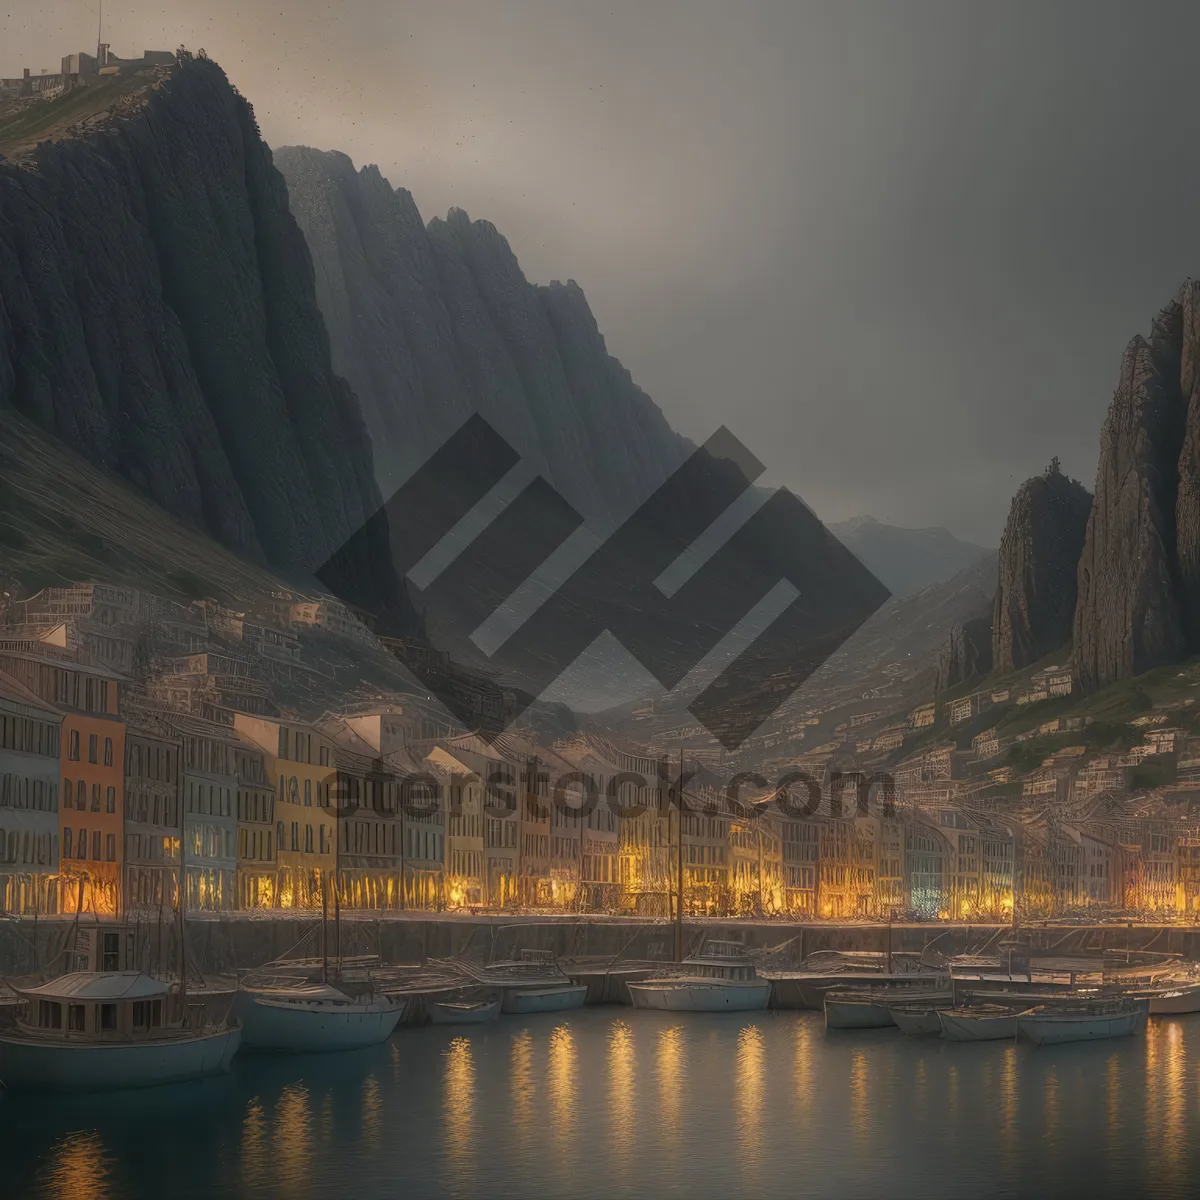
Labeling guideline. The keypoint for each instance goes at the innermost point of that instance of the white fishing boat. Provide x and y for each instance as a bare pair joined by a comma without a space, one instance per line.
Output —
981,1023
722,978
1092,1020
533,982
314,1018
464,1012
100,1030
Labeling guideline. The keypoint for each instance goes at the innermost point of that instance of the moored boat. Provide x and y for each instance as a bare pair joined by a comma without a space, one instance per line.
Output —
101,1030
1176,999
917,1018
314,1018
555,998
873,1008
722,978
464,1012
1088,1021
980,1023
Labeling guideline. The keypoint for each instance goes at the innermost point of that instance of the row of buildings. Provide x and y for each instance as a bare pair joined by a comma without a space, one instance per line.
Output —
145,765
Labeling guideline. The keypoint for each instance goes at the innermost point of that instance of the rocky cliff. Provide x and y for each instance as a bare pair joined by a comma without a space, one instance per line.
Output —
157,314
967,653
1139,573
1039,554
432,323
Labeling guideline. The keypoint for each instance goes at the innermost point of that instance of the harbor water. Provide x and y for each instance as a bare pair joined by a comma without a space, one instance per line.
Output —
608,1102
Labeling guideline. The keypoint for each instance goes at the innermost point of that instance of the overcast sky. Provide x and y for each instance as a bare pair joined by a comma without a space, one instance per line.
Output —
897,247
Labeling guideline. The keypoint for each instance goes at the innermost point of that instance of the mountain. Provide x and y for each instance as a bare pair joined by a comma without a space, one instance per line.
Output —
431,323
1039,553
906,560
158,315
1138,578
967,653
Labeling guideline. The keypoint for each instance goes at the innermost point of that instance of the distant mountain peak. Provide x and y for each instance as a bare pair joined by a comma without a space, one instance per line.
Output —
906,560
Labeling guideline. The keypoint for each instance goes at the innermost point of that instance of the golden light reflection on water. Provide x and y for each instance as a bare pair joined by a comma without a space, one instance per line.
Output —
622,1088
460,1100
668,1068
1172,1087
78,1168
256,1150
293,1136
560,1082
1008,1098
803,1068
859,1119
749,1094
371,1121
1050,1105
521,1084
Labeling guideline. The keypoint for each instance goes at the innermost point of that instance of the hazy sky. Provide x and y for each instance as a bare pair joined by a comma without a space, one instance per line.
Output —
897,247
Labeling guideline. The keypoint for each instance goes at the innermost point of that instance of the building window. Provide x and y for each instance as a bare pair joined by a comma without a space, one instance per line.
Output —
73,746
83,843
95,797
308,793
296,836
308,839
110,847
81,796
66,842
108,1017
108,752
95,845
93,744
110,800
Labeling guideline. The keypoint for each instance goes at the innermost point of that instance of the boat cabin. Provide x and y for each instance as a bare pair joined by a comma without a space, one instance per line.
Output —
103,948
110,1006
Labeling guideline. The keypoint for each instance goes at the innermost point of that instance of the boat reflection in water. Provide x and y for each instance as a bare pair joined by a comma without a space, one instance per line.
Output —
710,1105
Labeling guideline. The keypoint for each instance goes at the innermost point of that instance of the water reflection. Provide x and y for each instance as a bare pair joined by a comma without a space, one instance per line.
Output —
749,1093
621,1093
459,1115
521,1085
256,1149
78,1168
293,1137
561,1082
721,1106
668,1068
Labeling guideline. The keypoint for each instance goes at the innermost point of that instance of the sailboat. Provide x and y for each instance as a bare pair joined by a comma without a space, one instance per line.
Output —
308,1017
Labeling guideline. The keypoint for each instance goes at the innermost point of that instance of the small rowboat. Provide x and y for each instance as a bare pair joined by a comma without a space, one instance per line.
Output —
464,1012
559,998
984,1023
873,1009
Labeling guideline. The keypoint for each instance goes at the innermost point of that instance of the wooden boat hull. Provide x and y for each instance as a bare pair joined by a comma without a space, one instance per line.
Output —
922,1022
34,1064
701,996
956,1027
545,999
294,1029
1176,1002
443,1012
856,1014
1051,1029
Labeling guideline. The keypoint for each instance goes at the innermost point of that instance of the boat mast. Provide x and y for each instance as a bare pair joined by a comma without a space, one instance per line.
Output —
679,864
324,918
